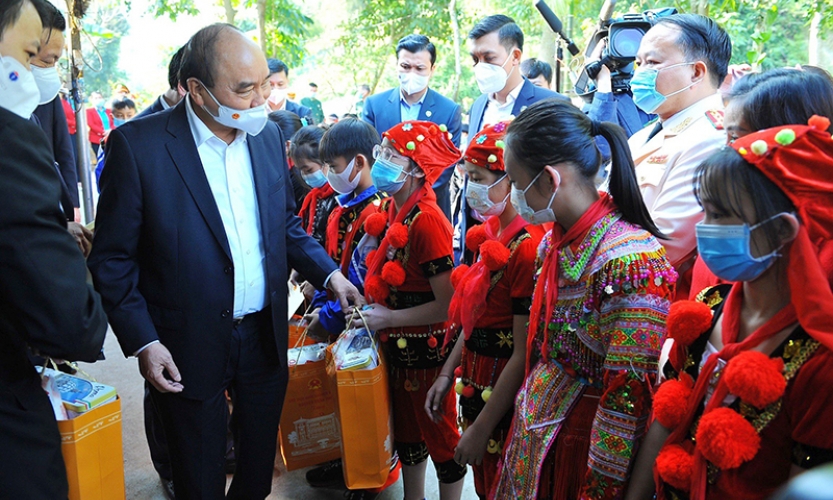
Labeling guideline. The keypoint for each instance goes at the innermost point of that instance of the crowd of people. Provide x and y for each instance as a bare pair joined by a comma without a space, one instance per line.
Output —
630,300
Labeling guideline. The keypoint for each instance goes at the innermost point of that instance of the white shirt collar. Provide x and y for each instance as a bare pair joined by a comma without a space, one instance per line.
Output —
511,98
200,130
164,102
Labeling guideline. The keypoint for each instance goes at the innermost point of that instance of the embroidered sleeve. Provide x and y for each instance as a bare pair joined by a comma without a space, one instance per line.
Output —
521,271
632,325
437,266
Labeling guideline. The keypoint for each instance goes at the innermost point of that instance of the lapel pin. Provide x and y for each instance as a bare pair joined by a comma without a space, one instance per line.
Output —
428,113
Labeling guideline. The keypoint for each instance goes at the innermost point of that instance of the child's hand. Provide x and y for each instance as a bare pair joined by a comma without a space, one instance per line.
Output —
375,316
435,396
471,447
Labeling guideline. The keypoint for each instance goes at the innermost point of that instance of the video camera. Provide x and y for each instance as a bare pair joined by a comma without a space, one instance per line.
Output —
621,36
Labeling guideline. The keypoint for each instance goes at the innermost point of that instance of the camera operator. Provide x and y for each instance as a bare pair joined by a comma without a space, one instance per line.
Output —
617,107
682,61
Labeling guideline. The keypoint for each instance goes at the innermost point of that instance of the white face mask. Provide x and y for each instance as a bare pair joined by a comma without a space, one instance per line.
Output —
252,120
48,81
477,196
492,78
18,89
524,210
277,96
341,183
412,83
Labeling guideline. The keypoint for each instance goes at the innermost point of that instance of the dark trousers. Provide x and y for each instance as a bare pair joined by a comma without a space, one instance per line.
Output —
196,430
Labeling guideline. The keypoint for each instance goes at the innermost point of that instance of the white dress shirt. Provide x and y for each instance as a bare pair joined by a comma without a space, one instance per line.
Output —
228,168
496,112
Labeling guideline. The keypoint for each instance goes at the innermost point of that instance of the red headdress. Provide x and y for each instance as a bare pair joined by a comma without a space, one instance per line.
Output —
428,144
486,148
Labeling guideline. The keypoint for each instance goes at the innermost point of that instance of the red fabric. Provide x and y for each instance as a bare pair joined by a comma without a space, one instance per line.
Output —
410,422
428,144
70,116
469,301
486,473
96,126
486,148
308,207
549,272
701,279
352,233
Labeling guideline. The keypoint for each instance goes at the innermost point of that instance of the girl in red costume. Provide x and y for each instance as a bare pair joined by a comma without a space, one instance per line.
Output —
321,200
491,306
749,396
409,286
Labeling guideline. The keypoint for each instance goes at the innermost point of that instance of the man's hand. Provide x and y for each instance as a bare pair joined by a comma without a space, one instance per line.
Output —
153,362
76,214
345,291
83,237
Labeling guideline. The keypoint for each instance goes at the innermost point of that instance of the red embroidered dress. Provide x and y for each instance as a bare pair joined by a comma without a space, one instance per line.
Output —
583,408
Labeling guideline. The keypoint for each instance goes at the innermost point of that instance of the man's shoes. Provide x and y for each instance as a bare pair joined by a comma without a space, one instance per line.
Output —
168,488
328,475
359,495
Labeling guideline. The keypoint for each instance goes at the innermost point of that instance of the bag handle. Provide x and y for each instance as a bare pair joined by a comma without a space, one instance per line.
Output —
303,336
48,362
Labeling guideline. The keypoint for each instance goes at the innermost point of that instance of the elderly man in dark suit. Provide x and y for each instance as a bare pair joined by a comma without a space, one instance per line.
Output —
414,100
194,238
172,96
46,305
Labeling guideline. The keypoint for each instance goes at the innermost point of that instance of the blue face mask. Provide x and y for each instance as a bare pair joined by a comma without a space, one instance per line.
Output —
316,179
118,122
644,88
726,252
386,174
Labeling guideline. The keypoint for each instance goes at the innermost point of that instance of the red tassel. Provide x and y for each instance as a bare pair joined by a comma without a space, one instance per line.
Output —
671,403
393,273
458,372
377,289
726,439
475,237
432,342
494,255
375,224
687,320
468,391
755,378
675,466
457,274
398,235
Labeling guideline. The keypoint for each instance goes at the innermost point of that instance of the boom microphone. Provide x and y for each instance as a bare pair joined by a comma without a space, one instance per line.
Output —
555,24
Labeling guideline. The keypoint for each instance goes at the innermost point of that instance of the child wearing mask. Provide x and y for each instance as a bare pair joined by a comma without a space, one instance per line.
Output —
319,202
490,308
409,288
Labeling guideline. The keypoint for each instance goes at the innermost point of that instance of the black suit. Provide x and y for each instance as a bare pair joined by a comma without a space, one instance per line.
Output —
45,304
303,112
53,121
154,108
162,263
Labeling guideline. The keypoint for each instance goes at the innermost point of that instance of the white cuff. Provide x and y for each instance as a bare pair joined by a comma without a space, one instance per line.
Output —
136,354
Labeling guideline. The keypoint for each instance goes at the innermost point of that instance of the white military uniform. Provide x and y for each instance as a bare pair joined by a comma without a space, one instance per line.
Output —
665,168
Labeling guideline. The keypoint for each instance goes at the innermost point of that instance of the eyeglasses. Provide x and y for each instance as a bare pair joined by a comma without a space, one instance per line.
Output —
385,153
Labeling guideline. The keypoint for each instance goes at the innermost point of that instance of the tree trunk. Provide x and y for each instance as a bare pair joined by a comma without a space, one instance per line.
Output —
813,45
455,28
231,12
261,24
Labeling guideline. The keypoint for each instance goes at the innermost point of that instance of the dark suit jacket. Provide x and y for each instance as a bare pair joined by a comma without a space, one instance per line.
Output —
152,109
530,94
53,122
383,111
45,304
301,111
161,258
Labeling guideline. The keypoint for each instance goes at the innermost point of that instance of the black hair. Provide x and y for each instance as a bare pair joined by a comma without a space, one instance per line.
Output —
809,68
304,144
287,121
417,43
702,39
200,55
123,103
533,68
509,34
348,138
725,179
313,85
173,67
783,96
50,16
277,66
349,115
553,131
365,86
10,11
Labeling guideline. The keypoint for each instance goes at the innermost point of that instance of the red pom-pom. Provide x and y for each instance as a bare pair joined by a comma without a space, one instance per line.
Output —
755,378
398,235
670,402
687,320
727,439
494,255
675,466
393,273
383,337
375,224
475,237
432,342
457,274
819,122
370,256
468,391
458,372
377,289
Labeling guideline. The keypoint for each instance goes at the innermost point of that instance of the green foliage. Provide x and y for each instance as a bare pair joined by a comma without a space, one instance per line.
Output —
104,25
174,8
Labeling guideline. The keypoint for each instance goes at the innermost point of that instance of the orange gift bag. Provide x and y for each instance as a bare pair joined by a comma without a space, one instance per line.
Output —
364,412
